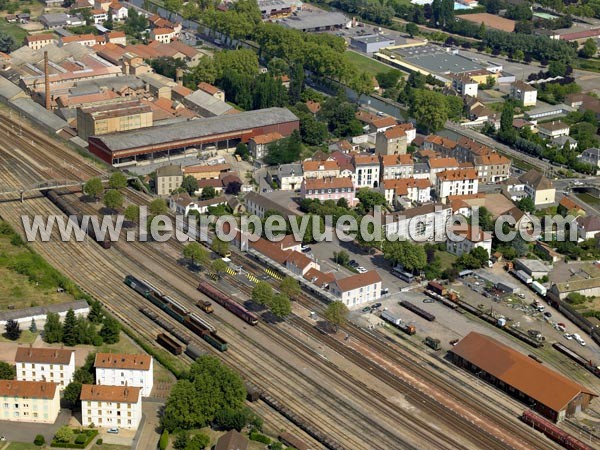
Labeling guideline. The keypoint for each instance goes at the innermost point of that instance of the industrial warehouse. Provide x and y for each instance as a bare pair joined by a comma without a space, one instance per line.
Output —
557,397
189,137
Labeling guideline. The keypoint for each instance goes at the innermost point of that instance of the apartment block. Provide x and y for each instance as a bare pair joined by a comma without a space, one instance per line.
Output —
29,401
111,406
115,369
55,365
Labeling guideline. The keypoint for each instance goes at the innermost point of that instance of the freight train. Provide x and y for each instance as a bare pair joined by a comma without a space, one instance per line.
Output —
418,311
397,322
228,303
177,311
577,358
169,343
553,432
76,217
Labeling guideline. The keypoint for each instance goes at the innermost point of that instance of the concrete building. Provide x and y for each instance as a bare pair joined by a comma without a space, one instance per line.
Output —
168,178
524,93
422,223
328,189
258,145
111,406
394,167
553,129
366,171
464,85
212,90
356,290
163,35
371,43
38,41
539,387
468,239
456,182
392,141
55,365
588,287
411,189
309,21
113,117
287,176
276,9
59,20
535,268
125,370
591,156
492,168
321,169
38,313
29,401
537,187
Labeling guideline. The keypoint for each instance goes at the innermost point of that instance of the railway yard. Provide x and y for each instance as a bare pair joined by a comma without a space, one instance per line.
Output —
357,388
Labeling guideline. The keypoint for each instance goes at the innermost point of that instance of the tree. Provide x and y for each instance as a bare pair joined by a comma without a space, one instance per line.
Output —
518,55
218,266
342,257
526,204
241,150
96,315
557,68
481,255
52,329
7,371
7,43
190,184
507,133
412,29
290,287
209,388
208,193
370,198
262,293
117,181
12,330
336,314
69,337
430,110
197,253
33,326
158,206
296,83
589,49
281,305
233,188
110,331
199,441
132,213
286,150
412,257
486,220
64,434
164,440
229,418
113,199
71,394
219,247
94,188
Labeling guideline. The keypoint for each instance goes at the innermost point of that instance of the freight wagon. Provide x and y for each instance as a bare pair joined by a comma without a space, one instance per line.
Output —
194,352
553,432
539,288
252,392
437,288
166,325
228,303
169,343
577,358
433,343
172,307
523,276
77,218
292,441
206,331
397,322
418,311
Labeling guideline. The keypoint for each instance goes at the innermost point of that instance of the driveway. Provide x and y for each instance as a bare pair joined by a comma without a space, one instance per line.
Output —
26,432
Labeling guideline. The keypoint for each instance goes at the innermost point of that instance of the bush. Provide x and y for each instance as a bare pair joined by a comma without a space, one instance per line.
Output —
254,436
99,441
39,440
164,440
81,438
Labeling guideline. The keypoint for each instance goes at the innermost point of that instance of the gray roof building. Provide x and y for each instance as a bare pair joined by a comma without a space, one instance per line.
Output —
9,90
315,21
25,314
206,105
533,267
373,42
38,114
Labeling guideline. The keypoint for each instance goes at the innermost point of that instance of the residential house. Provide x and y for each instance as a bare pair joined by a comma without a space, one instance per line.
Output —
366,171
492,168
467,150
163,35
588,227
439,144
116,369
212,90
38,41
523,93
55,365
29,401
328,189
591,156
414,190
563,140
392,141
396,166
358,289
467,238
111,406
88,40
437,165
539,188
456,182
258,145
464,85
168,178
421,223
571,207
514,189
287,176
554,129
98,16
183,204
118,11
374,122
321,169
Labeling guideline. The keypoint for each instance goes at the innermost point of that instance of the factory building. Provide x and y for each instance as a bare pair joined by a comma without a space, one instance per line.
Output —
176,139
544,390
113,117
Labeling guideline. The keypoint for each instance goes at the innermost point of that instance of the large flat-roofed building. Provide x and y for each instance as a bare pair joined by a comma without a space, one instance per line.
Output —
371,43
29,401
273,9
113,117
544,390
174,139
315,21
55,365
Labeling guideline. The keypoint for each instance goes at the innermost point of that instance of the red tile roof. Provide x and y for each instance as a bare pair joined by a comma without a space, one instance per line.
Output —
267,138
313,107
395,160
395,132
328,183
312,166
209,88
459,174
440,163
39,37
357,281
43,355
117,394
29,389
383,122
319,278
122,361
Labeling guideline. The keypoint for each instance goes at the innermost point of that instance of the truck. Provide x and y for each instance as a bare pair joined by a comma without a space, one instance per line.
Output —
539,288
385,315
523,276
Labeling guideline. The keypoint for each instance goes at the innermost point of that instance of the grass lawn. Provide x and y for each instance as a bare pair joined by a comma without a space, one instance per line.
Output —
110,447
22,446
366,64
27,337
17,33
447,259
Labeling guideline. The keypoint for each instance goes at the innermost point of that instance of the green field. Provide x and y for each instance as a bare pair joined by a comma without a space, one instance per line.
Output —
17,33
366,64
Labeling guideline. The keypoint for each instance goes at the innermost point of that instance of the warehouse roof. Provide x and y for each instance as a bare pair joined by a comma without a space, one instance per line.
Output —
38,113
533,265
519,371
207,102
371,38
196,128
305,20
8,89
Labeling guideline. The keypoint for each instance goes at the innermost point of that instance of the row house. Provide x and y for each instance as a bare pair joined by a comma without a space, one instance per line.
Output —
111,406
439,144
421,223
115,369
467,150
328,189
394,141
396,166
492,168
38,41
356,290
29,401
299,264
468,238
162,35
456,182
321,169
414,190
55,365
366,171
438,165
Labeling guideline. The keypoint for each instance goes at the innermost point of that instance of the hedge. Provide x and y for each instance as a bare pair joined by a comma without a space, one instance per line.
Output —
254,436
89,435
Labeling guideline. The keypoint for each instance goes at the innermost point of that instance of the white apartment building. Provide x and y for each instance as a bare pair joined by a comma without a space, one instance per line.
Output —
415,190
437,165
163,35
38,41
456,182
396,166
553,129
366,171
111,406
357,289
320,169
115,369
524,93
55,365
469,238
29,401
420,224
464,85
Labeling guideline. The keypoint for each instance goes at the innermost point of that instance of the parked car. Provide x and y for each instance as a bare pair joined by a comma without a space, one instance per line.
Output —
428,300
376,305
305,249
353,263
366,309
568,336
548,314
113,430
361,269
385,291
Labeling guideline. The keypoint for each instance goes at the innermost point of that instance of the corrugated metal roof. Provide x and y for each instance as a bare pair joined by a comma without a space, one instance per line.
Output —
38,310
9,90
38,113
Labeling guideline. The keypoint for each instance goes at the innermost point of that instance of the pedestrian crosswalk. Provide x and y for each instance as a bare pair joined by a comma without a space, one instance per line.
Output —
230,271
252,278
212,276
273,274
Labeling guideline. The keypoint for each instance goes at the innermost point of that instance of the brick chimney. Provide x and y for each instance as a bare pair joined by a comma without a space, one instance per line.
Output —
47,82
